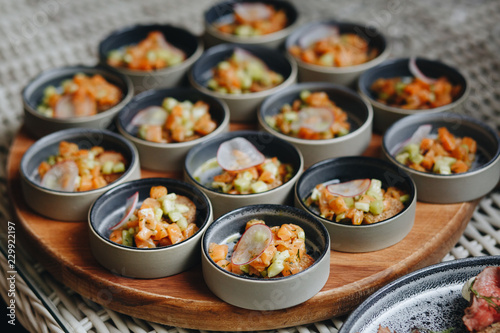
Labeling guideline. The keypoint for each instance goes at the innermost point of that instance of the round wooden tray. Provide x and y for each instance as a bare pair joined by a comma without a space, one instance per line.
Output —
184,300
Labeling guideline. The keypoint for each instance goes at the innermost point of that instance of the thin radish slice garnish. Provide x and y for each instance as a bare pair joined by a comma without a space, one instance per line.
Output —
251,12
350,189
129,210
315,119
245,56
252,244
318,33
61,177
421,133
65,108
238,154
418,73
152,115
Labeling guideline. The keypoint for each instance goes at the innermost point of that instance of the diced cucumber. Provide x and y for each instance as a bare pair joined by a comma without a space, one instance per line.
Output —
349,201
327,59
340,217
375,189
277,263
181,208
224,65
175,216
402,157
244,31
291,116
127,238
212,84
363,206
169,103
271,167
258,187
168,206
376,207
158,214
271,121
404,198
316,194
107,167
417,158
255,71
182,223
412,149
118,167
304,94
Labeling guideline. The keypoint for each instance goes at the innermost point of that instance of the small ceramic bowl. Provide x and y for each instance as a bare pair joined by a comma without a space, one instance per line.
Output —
223,12
71,206
384,115
436,188
360,116
39,125
147,263
168,156
242,107
267,144
162,78
273,293
341,75
364,237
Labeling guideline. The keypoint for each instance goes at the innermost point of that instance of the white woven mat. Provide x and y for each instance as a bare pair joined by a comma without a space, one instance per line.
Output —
41,34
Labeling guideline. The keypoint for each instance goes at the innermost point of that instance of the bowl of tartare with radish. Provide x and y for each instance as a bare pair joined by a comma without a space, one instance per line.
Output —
149,228
400,87
366,204
266,257
243,168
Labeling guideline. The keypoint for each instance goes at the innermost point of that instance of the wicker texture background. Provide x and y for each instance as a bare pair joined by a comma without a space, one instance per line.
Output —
40,34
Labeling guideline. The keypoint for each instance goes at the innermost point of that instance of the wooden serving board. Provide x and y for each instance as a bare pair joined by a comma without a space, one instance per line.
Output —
184,300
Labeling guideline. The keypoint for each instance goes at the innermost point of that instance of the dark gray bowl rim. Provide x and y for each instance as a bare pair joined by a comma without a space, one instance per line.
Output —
367,161
230,135
41,77
365,91
416,117
315,87
269,208
55,138
333,22
154,26
223,47
136,183
415,276
169,92
289,26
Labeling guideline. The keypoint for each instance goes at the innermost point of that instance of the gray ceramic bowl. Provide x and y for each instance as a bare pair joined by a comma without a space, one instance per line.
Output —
340,75
365,237
223,10
162,78
478,181
139,262
360,117
243,107
267,294
384,115
269,145
39,125
71,206
168,156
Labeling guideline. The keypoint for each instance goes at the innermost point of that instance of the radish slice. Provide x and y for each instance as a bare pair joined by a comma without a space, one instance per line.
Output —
238,154
61,177
110,156
318,33
152,115
251,12
418,73
421,133
349,189
252,244
66,108
316,119
245,56
129,210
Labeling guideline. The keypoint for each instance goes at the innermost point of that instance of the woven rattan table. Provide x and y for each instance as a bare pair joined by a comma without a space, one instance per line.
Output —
40,34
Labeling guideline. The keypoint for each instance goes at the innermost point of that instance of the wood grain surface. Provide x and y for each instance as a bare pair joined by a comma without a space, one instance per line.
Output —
184,300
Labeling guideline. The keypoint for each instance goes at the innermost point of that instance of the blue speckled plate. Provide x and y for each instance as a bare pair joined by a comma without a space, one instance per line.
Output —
430,298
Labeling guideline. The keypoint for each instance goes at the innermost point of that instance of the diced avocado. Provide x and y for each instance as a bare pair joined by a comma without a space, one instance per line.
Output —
259,186
376,207
364,206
